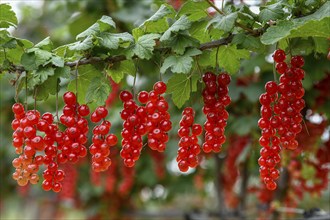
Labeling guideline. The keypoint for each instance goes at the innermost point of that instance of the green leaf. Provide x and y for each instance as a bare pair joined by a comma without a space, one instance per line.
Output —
248,42
225,23
182,23
28,60
111,41
198,31
98,91
51,84
321,45
24,43
157,22
57,61
82,45
103,24
11,44
43,73
301,27
275,33
86,74
180,42
179,86
271,12
229,57
7,16
42,56
48,87
144,46
106,23
194,10
164,10
118,70
45,44
178,64
307,29
92,30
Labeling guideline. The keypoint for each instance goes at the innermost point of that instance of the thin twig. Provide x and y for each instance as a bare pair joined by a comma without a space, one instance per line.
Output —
215,7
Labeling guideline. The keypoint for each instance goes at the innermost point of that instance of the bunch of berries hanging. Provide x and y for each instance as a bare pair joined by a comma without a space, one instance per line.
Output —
280,120
189,148
102,140
215,96
27,144
152,120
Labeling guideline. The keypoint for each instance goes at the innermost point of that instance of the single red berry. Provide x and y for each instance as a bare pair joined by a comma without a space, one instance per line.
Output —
271,87
143,97
70,98
125,96
18,109
279,56
160,87
223,79
101,112
83,110
297,61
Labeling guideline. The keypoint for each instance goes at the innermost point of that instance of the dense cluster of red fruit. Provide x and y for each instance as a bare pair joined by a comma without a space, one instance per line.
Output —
27,143
215,96
102,140
151,119
189,148
280,115
39,141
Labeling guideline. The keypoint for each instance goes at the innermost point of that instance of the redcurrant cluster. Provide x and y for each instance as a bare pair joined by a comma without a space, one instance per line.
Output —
280,115
158,120
75,135
215,96
54,143
189,148
291,100
102,140
151,119
133,129
268,123
27,143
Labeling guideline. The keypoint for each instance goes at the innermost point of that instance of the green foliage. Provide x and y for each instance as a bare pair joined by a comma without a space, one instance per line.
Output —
271,12
181,24
81,84
180,64
180,86
157,23
98,91
229,57
7,16
195,10
300,27
118,70
143,47
224,22
112,41
169,39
